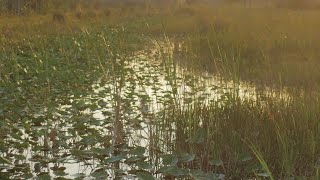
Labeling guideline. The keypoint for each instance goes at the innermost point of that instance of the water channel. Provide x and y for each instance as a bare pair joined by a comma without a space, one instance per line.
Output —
92,145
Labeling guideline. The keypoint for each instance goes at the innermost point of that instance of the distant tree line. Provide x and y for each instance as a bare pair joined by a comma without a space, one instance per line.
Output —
291,4
22,7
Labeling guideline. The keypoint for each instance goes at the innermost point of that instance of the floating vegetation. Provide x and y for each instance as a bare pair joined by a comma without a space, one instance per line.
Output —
91,105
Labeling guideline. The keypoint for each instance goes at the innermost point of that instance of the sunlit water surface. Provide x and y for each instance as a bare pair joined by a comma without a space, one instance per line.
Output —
153,83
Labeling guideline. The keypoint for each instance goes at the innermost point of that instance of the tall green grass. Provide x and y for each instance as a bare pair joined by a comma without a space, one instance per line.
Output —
281,135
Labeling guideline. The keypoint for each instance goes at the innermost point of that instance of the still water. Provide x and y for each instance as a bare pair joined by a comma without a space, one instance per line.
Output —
120,127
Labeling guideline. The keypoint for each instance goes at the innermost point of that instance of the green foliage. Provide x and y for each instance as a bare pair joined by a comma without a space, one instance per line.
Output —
110,103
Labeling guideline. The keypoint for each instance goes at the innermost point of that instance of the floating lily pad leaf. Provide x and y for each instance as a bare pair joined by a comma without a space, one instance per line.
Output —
245,157
178,172
58,168
82,153
128,176
81,105
102,103
139,151
133,171
4,161
144,165
37,167
99,174
169,159
5,166
165,169
22,167
218,176
188,100
199,137
16,136
114,159
300,178
174,171
145,176
96,122
61,178
79,175
101,151
186,158
121,146
62,112
263,174
58,160
200,175
89,140
107,113
19,157
44,176
60,173
5,175
119,171
253,168
38,121
77,152
27,176
216,162
93,107
135,159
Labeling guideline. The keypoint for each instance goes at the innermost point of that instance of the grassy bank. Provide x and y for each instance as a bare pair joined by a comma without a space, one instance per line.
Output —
266,45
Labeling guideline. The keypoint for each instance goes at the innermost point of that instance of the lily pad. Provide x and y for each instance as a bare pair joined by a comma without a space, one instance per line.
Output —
263,174
144,165
145,176
216,162
139,151
114,159
186,158
169,159
4,161
174,171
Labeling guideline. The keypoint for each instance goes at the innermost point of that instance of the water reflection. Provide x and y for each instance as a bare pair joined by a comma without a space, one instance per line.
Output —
97,134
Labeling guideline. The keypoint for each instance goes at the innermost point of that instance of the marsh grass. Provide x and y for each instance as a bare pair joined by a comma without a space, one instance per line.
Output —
214,132
263,136
269,45
188,136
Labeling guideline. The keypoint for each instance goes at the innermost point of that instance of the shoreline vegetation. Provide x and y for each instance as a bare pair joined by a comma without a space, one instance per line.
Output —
53,55
265,45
